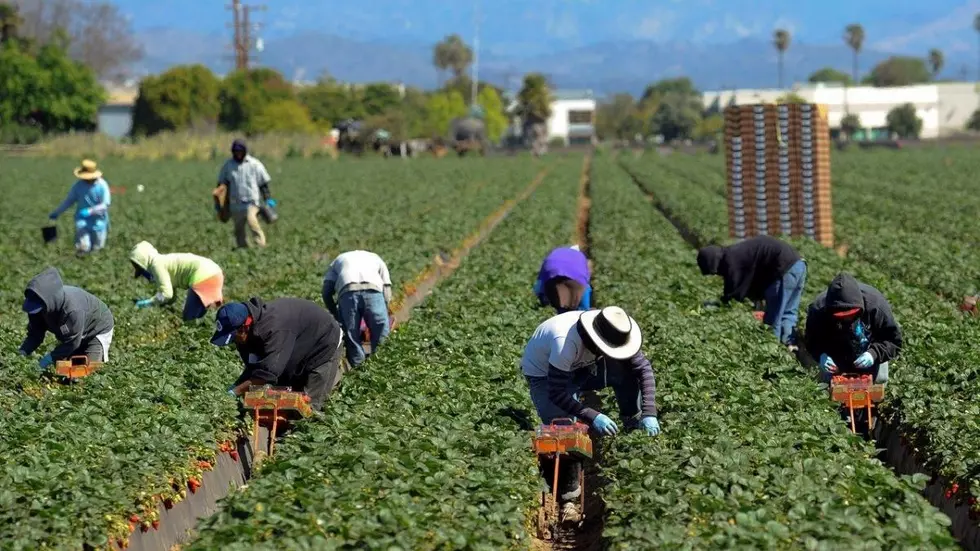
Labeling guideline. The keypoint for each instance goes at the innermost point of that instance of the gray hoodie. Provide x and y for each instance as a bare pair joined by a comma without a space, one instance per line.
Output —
72,315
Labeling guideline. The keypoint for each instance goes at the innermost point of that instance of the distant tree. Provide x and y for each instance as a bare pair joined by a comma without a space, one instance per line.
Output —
976,27
452,54
619,118
936,62
850,124
791,97
829,74
714,108
181,97
781,40
677,115
494,116
287,116
904,121
440,109
974,122
49,91
899,71
244,94
379,97
534,98
710,127
10,22
854,38
330,102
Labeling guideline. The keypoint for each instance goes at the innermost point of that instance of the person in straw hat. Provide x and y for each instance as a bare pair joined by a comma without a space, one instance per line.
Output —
90,194
591,350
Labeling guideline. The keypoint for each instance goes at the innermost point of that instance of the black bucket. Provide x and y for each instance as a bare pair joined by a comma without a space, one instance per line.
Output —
50,233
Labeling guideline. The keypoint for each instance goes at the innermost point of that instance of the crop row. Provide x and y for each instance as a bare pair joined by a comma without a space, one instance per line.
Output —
753,455
76,461
933,385
425,446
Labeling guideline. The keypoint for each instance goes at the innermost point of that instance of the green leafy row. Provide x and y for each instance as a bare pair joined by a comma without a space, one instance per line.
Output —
934,383
76,461
424,447
753,454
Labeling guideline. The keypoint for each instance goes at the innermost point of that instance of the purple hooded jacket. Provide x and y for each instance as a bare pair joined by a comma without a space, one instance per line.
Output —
565,262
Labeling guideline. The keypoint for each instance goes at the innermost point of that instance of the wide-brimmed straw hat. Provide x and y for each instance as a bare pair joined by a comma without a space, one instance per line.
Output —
614,333
88,171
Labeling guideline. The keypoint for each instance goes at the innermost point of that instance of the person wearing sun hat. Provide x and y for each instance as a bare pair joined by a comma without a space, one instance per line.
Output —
81,322
283,342
576,351
90,194
851,329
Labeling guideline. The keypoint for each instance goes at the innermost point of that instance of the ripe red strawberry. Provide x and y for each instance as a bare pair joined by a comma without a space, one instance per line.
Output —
234,454
134,519
155,524
949,494
956,487
193,484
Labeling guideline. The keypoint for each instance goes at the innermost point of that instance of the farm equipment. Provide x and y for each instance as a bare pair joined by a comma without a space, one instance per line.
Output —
563,437
857,394
469,133
75,367
274,409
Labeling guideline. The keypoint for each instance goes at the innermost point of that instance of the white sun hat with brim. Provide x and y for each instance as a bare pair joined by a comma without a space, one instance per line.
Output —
88,171
614,333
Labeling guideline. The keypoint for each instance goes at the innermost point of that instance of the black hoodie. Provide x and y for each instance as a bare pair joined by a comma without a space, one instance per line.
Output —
826,335
72,315
289,338
748,267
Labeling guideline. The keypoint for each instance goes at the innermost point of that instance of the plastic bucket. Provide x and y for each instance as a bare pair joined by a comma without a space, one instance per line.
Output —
49,233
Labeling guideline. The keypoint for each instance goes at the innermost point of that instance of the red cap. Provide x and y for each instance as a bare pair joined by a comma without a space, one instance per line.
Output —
846,313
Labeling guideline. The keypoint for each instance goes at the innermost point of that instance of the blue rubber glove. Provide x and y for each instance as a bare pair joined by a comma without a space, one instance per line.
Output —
651,425
84,212
231,392
144,303
46,361
827,364
605,425
271,202
864,361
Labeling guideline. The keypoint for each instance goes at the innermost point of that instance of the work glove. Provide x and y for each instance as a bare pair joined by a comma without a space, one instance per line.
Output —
651,425
827,364
144,303
864,361
52,216
231,392
84,212
710,305
605,425
271,203
46,361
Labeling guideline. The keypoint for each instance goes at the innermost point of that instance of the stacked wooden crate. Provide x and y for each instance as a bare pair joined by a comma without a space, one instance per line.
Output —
778,161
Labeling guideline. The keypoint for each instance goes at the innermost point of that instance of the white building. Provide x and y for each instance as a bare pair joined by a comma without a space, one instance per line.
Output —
944,108
572,117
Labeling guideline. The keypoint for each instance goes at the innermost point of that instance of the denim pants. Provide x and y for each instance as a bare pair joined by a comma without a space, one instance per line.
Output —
90,236
609,373
193,306
783,302
369,306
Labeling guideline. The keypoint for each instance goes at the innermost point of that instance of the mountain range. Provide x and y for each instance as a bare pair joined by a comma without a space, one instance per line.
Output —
606,67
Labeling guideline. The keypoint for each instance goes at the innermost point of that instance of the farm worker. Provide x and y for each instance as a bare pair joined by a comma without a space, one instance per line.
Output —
90,195
247,181
363,284
564,280
757,268
576,351
80,321
851,329
283,342
201,277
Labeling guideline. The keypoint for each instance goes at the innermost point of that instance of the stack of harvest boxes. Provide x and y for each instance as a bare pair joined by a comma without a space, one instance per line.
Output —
778,161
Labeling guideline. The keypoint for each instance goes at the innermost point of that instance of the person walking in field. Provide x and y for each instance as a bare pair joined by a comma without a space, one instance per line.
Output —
577,351
80,321
564,280
362,281
91,197
758,268
283,342
851,329
201,276
247,183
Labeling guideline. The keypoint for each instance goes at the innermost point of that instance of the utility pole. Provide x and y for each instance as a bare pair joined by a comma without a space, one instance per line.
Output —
243,39
476,53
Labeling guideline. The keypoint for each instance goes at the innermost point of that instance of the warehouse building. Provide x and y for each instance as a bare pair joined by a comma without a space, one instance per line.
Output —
572,118
944,108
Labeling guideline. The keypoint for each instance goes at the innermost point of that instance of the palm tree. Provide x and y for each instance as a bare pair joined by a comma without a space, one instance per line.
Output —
936,61
780,39
854,37
452,54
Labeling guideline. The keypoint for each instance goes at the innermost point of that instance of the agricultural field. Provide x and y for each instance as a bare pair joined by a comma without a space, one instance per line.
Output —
426,446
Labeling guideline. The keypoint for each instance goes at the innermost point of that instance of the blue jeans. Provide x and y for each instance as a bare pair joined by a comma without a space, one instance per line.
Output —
370,306
783,302
625,386
193,307
90,235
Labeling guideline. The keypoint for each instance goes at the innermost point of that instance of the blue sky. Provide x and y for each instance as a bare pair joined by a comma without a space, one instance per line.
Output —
514,27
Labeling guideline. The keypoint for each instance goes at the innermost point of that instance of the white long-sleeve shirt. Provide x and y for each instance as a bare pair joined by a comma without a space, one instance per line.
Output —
358,271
